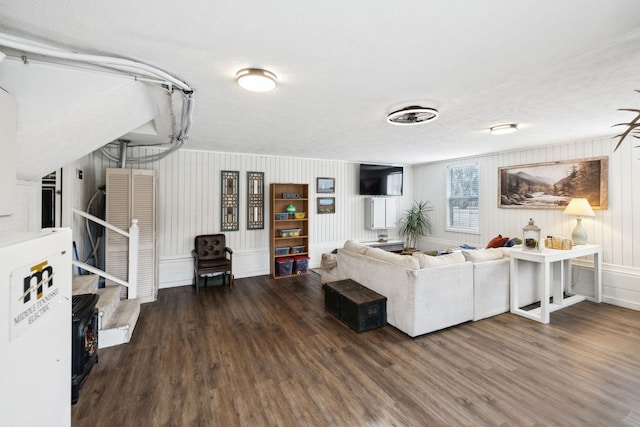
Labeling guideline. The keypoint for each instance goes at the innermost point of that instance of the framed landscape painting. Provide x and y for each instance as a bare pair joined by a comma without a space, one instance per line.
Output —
326,205
326,185
552,185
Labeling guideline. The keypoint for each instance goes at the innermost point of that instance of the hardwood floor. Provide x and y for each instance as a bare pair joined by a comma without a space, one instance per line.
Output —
267,354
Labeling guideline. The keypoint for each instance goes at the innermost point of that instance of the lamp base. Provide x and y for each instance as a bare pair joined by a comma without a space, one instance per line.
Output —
579,234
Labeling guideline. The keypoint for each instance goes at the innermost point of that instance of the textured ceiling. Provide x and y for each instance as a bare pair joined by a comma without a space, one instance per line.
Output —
559,69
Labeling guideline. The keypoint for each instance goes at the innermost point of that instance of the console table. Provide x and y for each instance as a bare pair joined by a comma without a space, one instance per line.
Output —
545,259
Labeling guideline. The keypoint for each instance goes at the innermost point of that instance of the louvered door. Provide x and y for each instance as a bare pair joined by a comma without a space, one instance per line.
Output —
131,193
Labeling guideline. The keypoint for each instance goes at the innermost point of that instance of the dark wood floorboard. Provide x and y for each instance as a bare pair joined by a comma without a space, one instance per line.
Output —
267,354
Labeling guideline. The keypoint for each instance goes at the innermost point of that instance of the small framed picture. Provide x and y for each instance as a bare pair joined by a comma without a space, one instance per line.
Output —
326,205
326,185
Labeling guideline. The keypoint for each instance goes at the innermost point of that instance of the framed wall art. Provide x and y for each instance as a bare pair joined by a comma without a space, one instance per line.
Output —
255,200
326,205
229,198
552,185
326,185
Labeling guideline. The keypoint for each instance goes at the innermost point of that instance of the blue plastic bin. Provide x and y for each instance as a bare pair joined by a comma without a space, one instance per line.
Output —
284,266
301,264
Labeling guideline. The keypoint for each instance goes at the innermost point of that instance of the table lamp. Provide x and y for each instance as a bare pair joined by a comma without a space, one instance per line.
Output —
580,208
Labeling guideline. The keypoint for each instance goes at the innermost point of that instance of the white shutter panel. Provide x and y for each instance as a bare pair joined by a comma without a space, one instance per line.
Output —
143,209
117,213
131,194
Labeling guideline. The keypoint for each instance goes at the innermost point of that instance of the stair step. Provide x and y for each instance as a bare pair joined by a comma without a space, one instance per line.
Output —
119,327
85,284
108,303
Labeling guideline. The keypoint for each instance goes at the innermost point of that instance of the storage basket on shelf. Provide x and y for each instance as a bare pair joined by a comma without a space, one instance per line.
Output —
290,232
301,264
298,249
284,266
281,216
282,251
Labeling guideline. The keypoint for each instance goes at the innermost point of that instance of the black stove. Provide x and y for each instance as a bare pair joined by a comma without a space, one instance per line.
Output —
84,340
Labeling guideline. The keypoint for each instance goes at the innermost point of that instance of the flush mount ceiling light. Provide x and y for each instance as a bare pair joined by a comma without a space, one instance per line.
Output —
503,129
256,80
412,115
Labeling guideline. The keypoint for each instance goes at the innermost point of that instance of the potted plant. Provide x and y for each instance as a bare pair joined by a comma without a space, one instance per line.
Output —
415,222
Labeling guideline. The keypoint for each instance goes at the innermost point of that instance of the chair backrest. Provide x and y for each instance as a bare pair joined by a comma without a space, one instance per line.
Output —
210,246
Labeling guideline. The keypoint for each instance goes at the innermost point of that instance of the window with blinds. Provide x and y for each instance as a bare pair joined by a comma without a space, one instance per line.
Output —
463,210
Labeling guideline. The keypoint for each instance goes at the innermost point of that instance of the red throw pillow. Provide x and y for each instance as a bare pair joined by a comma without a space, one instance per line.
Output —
497,241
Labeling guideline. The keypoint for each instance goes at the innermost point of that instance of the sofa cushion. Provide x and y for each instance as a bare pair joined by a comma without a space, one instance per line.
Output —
497,241
427,261
357,247
401,260
329,261
482,255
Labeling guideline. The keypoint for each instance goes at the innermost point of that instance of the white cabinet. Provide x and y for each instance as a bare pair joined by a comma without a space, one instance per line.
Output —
379,213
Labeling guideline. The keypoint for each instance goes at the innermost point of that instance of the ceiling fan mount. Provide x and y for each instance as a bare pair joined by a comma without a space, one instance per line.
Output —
412,115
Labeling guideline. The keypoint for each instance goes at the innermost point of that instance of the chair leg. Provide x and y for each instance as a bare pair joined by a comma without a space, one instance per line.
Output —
195,282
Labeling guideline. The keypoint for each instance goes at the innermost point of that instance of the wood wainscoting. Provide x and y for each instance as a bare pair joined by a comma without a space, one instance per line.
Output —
266,353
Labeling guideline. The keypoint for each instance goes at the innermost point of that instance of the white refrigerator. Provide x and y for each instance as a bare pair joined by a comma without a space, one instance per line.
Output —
35,328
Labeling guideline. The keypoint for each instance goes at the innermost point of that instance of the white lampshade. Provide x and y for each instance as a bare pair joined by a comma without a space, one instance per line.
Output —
580,208
256,80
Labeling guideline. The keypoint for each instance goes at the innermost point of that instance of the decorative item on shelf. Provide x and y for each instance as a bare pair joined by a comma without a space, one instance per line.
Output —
580,208
531,237
557,243
291,210
290,196
299,215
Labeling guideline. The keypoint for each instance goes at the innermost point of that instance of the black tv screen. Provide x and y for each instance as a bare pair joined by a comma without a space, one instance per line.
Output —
381,180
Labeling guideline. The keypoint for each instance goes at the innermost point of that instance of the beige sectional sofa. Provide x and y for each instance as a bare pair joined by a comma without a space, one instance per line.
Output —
419,300
425,293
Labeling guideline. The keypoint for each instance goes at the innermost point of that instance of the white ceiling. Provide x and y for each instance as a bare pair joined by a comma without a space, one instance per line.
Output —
559,69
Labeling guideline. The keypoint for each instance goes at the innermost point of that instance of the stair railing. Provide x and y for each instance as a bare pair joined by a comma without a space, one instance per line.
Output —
132,235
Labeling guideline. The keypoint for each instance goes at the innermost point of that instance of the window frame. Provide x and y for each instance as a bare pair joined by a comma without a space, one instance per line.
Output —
457,228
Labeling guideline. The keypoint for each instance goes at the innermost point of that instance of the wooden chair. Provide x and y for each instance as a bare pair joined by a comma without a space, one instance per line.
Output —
211,255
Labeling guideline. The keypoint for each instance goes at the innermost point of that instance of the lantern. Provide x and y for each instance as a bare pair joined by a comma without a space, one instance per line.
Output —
531,237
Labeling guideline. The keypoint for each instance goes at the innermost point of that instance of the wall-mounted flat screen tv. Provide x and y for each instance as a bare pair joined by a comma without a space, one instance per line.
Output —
381,180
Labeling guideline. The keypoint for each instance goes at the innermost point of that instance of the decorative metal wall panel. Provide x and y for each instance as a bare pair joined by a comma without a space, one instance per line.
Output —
255,200
229,200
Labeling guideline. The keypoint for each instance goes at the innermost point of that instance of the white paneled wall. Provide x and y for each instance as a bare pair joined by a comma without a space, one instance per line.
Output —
79,186
27,216
617,229
189,204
